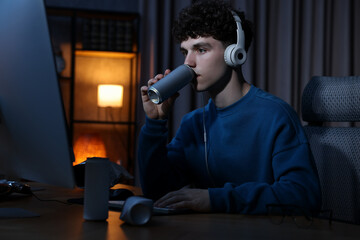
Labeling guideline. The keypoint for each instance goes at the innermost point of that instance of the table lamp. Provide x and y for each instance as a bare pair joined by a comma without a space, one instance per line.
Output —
88,145
110,95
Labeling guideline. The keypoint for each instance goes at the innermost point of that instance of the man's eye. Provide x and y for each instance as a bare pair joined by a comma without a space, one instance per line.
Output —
201,50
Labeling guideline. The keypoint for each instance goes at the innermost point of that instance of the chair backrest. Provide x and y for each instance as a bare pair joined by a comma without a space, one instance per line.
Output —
336,150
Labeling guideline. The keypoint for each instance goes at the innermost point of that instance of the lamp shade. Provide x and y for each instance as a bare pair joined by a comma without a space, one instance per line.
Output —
88,145
110,95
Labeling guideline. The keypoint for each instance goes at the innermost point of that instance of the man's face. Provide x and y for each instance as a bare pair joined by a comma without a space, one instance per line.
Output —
206,56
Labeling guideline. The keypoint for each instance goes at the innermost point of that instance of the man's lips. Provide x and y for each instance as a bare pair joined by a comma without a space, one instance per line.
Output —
196,77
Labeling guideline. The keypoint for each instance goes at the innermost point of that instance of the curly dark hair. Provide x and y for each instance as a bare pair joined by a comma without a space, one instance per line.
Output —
210,19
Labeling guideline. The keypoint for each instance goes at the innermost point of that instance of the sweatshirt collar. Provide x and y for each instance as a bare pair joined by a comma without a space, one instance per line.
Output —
233,108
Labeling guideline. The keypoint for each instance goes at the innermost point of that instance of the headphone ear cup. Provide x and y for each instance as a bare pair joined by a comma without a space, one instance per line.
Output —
227,55
239,56
234,55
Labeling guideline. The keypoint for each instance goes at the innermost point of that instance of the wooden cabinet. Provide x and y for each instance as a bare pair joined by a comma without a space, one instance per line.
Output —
93,48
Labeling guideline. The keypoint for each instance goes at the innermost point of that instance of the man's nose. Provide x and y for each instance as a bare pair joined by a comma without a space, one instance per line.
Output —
190,60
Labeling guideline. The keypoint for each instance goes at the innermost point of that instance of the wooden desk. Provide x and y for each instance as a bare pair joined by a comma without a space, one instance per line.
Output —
59,221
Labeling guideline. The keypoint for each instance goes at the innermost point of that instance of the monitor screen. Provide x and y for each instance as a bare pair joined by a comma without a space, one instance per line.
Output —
34,143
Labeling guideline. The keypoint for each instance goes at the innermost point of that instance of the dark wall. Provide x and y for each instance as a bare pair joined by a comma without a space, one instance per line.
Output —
103,5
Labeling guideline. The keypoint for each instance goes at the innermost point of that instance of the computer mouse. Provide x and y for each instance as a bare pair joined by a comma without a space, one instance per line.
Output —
17,187
120,194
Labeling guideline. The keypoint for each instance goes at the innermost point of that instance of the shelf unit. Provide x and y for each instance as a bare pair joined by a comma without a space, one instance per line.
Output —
98,47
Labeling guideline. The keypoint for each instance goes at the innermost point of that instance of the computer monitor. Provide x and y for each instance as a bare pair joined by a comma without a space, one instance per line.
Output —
34,143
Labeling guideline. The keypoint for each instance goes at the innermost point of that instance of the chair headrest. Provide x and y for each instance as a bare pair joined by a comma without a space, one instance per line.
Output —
331,99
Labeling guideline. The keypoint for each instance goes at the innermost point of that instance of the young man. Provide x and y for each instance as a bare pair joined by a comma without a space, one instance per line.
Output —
245,149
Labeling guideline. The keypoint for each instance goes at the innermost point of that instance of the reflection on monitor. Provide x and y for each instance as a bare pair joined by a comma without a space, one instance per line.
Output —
33,134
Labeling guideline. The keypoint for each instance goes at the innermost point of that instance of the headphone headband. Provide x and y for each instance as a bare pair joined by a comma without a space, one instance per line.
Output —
239,31
235,54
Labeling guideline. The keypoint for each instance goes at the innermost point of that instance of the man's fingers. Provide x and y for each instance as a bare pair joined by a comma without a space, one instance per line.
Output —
172,198
166,200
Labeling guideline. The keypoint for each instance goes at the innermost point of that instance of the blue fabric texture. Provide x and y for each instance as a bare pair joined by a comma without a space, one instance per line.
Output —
257,153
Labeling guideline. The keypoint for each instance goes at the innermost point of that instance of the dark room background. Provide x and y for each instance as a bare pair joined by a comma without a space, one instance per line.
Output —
294,40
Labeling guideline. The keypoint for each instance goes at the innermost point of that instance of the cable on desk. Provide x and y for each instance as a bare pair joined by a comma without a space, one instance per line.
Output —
50,200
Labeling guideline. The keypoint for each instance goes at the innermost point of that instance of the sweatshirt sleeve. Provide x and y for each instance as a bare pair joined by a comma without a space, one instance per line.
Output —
158,175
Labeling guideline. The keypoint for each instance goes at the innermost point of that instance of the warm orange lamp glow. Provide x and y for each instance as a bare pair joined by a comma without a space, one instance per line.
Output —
110,95
88,145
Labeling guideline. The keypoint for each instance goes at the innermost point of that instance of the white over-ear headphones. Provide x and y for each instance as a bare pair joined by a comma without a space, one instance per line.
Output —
235,54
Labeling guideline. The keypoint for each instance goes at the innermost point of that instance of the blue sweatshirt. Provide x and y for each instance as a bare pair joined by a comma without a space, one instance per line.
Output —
257,154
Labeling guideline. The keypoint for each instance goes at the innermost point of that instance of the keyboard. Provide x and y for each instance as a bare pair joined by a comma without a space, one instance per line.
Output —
117,205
